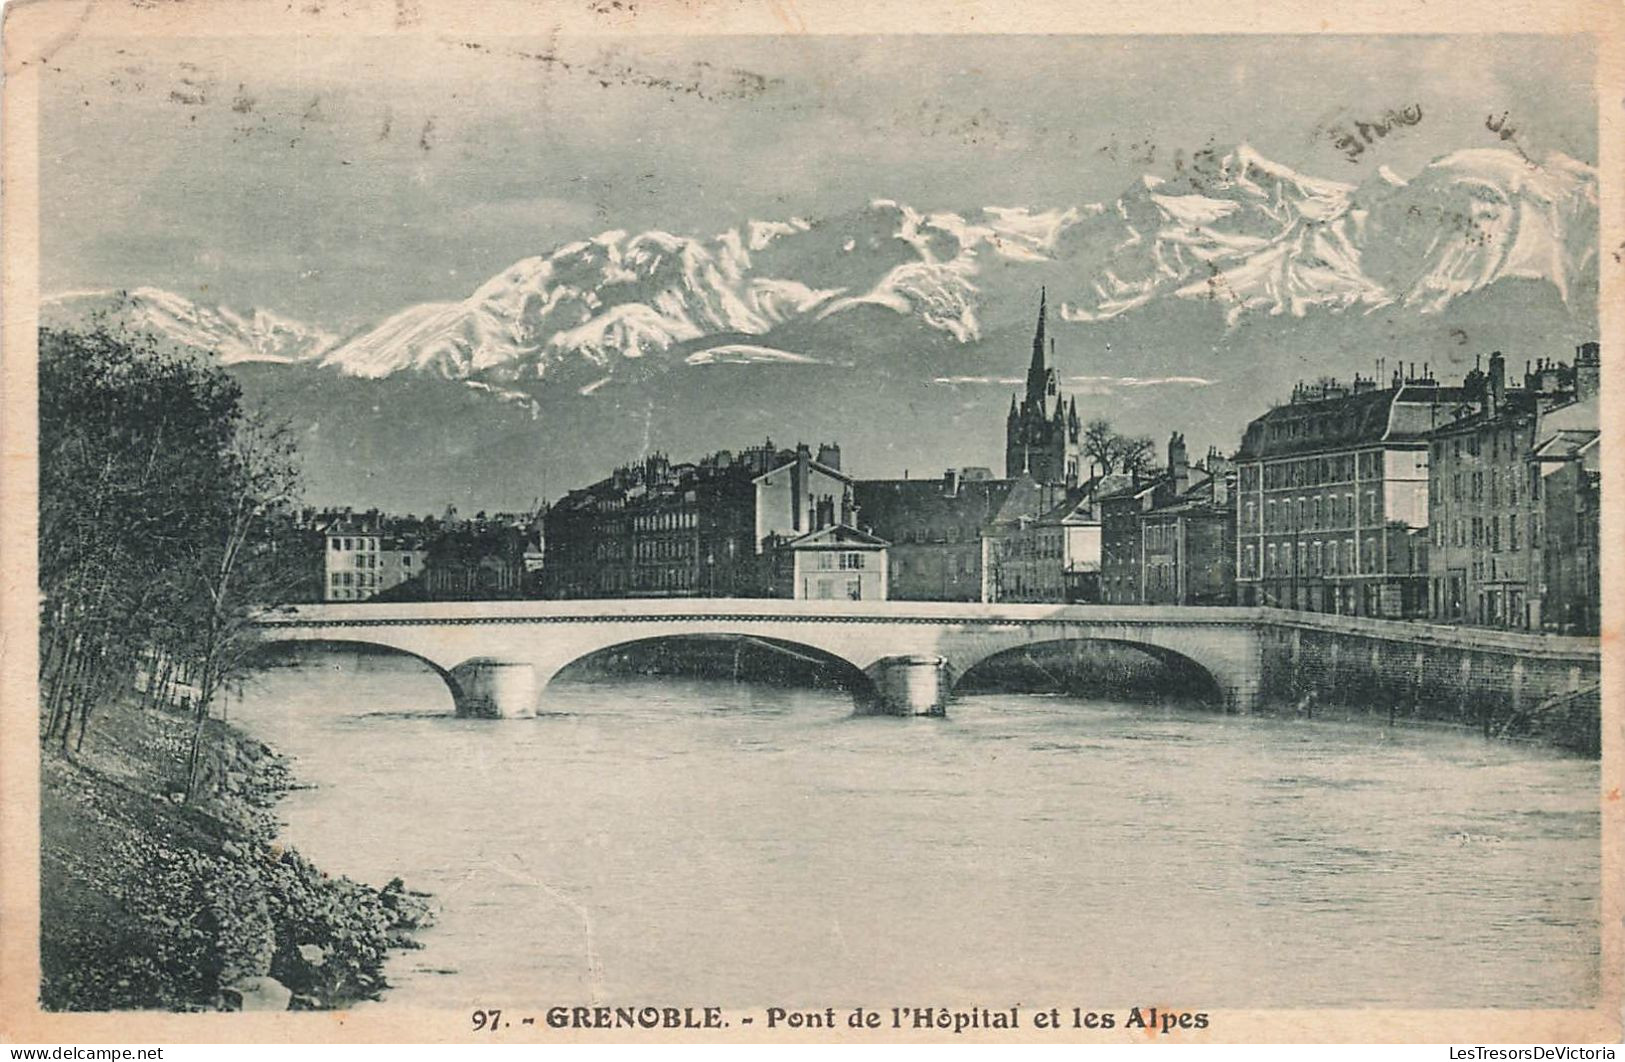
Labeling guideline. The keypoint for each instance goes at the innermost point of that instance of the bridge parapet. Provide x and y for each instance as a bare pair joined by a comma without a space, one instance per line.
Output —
1252,654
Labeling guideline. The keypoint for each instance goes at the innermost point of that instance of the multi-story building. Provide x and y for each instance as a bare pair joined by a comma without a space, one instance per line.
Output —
836,562
366,555
1187,540
702,529
1024,545
1566,476
479,561
1121,559
1046,543
1486,553
1169,538
934,527
1332,497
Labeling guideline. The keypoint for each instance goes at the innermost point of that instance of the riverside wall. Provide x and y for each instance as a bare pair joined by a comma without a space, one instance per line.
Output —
1503,683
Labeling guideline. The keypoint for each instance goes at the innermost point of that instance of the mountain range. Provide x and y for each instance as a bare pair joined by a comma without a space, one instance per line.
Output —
1189,286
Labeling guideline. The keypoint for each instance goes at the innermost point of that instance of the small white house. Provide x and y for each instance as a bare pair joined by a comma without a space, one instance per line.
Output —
839,563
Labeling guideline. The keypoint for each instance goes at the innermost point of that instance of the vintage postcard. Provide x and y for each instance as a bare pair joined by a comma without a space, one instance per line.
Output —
811,522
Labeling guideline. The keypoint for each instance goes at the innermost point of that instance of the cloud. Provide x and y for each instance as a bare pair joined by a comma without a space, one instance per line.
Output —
1142,381
746,353
1089,385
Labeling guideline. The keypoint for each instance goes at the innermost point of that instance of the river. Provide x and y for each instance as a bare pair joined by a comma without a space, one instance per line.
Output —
696,841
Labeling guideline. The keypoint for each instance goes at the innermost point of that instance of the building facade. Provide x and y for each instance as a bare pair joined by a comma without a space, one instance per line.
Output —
702,529
1332,498
1042,433
1024,545
934,527
365,556
1170,538
837,563
479,561
1488,543
1567,481
1187,542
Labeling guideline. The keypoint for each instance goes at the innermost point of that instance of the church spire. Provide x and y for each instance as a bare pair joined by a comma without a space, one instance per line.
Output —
1038,372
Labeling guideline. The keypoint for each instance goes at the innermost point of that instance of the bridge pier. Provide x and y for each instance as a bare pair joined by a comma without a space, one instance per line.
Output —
494,689
1242,695
916,684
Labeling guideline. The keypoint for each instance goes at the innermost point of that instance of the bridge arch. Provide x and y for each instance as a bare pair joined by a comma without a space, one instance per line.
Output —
739,653
272,645
1178,671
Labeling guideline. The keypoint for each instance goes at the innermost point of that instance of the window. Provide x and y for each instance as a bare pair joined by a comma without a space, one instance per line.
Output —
851,561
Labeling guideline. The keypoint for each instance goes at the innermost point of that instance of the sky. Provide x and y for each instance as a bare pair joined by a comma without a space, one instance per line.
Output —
338,185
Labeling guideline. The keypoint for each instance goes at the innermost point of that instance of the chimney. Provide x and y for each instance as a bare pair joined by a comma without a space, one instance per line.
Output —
829,455
950,483
1498,382
1587,370
1178,467
800,490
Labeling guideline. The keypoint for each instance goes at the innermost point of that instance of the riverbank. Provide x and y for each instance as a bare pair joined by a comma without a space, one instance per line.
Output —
150,902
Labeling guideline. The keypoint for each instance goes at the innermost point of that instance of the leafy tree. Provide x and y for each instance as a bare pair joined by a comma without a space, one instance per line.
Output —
162,524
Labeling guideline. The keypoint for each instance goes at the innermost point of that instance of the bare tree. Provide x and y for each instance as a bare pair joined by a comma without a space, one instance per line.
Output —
241,568
1100,444
1112,452
1136,454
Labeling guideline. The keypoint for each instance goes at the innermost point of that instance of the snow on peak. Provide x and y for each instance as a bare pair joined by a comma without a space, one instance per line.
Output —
231,336
1235,229
1252,235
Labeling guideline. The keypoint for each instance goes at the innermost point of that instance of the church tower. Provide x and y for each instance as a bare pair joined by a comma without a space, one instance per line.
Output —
1041,434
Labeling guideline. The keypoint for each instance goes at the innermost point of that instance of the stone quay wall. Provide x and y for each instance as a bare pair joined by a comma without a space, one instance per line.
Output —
1503,683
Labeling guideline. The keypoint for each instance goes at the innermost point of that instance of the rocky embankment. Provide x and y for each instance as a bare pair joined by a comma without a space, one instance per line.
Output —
149,901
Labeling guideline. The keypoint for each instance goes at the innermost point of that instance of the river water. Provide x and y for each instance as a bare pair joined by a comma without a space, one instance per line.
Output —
691,841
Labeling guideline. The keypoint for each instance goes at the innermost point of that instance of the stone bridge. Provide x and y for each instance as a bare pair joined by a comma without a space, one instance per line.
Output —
496,656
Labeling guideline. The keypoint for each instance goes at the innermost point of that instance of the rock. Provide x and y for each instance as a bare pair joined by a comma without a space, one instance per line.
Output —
313,954
231,849
257,993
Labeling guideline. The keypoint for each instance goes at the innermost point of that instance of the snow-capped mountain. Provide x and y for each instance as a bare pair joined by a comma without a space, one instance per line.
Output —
233,337
1254,236
1233,229
618,296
